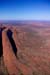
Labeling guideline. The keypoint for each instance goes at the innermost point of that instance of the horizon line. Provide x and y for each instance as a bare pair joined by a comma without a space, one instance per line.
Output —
24,20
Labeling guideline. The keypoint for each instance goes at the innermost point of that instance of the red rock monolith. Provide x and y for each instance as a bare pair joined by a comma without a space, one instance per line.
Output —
9,57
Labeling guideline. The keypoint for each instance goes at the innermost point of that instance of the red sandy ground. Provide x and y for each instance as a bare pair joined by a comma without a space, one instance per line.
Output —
33,50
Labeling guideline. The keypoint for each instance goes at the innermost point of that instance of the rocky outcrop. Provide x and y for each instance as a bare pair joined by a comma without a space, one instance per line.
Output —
9,57
11,62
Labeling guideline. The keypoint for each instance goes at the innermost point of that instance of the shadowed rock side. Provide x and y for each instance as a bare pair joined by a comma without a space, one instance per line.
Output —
1,52
9,57
1,29
9,34
18,45
11,62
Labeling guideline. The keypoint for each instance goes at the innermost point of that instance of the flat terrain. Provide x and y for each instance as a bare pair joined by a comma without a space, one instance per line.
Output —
25,49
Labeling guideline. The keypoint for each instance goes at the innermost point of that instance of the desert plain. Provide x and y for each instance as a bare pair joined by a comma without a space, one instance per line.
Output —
25,48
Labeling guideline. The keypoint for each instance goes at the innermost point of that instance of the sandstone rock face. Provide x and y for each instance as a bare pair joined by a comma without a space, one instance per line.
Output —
9,57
